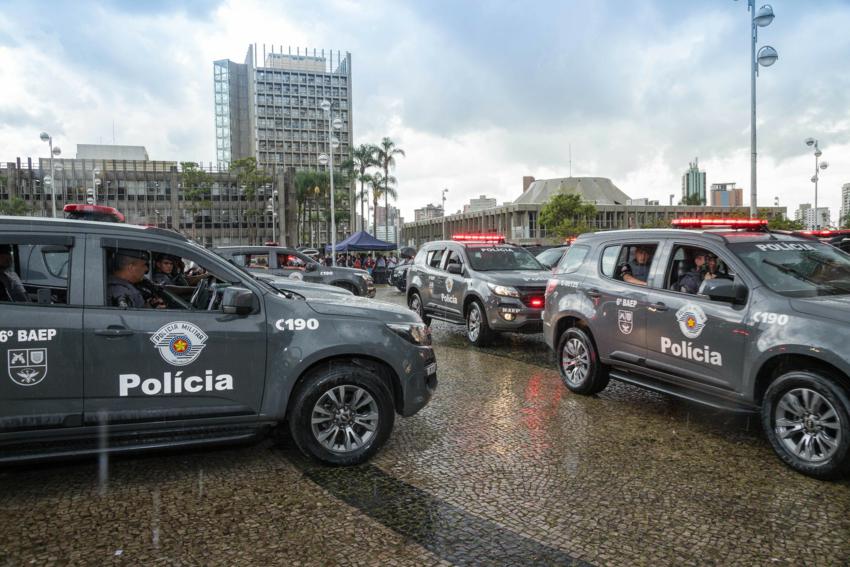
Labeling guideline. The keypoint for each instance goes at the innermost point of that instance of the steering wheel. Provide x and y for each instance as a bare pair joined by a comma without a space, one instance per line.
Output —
201,296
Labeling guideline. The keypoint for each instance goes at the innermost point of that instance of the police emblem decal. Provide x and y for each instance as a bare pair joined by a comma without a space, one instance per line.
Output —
179,343
449,284
625,320
691,320
27,366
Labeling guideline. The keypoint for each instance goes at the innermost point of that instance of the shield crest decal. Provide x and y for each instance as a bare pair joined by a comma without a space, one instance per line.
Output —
27,366
625,321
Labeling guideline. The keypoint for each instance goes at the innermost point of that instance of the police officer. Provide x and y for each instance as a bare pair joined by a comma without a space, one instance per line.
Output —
692,279
166,273
11,287
130,267
637,271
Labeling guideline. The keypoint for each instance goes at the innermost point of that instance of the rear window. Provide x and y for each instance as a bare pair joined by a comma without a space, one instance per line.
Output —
573,259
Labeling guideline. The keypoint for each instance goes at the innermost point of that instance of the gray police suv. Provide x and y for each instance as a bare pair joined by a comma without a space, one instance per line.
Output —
479,281
764,329
221,361
297,265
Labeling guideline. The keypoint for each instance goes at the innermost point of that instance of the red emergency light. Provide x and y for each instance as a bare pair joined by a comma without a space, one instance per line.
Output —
480,238
725,223
822,232
536,302
93,212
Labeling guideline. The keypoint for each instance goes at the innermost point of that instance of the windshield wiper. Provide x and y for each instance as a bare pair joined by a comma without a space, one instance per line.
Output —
785,269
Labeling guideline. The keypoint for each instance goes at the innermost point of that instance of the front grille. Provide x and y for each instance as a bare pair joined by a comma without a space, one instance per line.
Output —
527,293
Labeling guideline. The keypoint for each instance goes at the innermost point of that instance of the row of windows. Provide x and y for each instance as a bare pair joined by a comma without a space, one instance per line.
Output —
297,123
296,135
277,100
304,78
306,112
312,159
276,88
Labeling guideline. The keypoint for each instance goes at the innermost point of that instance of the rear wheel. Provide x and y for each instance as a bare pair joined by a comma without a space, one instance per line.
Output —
347,286
477,328
415,304
342,414
579,364
806,417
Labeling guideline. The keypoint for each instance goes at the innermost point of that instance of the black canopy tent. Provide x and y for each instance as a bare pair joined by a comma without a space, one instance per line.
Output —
361,241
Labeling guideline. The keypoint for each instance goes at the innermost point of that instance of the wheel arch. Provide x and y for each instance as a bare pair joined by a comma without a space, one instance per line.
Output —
467,301
570,321
776,366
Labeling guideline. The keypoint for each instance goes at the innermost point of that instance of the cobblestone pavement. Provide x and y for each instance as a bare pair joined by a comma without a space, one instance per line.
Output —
504,467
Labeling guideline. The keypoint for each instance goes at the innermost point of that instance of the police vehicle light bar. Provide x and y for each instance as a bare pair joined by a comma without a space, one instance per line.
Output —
485,238
725,223
823,232
82,211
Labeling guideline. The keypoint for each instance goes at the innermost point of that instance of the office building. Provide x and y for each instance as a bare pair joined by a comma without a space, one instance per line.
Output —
726,195
843,219
693,185
482,203
428,212
806,214
269,108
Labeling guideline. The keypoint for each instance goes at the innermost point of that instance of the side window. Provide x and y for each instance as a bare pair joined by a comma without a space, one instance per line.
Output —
239,259
573,259
608,263
691,265
454,258
435,257
420,257
257,261
290,261
34,274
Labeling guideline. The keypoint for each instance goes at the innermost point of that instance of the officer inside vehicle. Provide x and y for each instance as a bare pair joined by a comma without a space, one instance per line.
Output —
636,271
123,284
11,287
165,271
692,279
713,269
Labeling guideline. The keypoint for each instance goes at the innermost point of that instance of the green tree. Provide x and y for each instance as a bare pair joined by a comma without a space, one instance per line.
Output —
566,215
196,185
659,222
362,159
779,222
692,200
249,179
844,222
386,154
381,186
15,207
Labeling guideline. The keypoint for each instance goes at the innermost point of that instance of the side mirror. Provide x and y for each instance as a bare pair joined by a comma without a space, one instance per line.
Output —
312,267
237,301
724,290
456,269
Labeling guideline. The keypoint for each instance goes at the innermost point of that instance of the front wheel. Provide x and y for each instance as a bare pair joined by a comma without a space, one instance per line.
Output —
806,417
342,415
477,328
578,363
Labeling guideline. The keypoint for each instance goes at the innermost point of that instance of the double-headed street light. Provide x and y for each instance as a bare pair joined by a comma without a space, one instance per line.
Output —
444,212
45,137
271,207
333,124
766,57
811,142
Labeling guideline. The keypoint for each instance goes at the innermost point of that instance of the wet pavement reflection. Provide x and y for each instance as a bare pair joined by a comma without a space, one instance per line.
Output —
504,467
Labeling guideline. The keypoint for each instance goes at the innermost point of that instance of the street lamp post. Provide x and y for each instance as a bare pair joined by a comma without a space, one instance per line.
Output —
333,124
94,183
272,207
766,57
444,212
45,137
811,142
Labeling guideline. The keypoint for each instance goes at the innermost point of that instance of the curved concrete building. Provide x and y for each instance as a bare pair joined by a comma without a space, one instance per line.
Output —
597,190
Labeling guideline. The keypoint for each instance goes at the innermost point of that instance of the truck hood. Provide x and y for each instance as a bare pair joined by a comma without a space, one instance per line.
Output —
339,270
836,307
361,307
517,278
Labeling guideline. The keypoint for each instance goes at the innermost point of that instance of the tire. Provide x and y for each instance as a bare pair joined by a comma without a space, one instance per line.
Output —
578,363
347,286
414,302
315,398
806,417
477,328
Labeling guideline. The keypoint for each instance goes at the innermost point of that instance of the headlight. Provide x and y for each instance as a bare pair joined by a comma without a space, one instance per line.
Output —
416,333
366,277
503,290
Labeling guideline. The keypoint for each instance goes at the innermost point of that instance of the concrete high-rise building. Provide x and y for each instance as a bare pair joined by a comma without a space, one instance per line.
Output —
482,203
726,195
428,212
269,108
806,214
845,205
693,184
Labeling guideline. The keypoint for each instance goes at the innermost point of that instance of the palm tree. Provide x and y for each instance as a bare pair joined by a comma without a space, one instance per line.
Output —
386,154
381,187
362,158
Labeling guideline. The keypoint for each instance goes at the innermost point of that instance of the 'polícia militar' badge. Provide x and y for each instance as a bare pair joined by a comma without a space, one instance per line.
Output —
179,343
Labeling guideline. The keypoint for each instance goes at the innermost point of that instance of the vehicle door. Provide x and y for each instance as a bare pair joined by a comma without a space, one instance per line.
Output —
41,336
454,285
690,337
149,365
434,283
620,325
296,265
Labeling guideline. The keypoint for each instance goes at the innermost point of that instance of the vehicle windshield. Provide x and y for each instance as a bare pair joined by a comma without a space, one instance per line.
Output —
550,257
798,268
495,257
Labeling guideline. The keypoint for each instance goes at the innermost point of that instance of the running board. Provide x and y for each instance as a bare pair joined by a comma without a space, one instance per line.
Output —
683,393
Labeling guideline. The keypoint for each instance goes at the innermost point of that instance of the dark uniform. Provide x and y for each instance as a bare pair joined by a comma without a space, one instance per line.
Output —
11,287
124,294
639,271
174,278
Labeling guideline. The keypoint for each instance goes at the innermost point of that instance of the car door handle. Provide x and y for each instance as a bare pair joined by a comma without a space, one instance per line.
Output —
114,332
593,292
655,307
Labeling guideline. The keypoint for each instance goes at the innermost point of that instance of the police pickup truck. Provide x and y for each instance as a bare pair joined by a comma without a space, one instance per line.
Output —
291,263
479,281
221,361
729,314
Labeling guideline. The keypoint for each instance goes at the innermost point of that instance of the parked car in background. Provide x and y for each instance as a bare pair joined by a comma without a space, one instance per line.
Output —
550,258
303,288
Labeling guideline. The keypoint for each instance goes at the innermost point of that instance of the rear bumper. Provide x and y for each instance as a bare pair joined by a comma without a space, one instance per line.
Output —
419,385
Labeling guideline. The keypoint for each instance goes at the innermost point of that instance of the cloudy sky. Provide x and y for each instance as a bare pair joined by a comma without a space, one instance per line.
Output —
477,93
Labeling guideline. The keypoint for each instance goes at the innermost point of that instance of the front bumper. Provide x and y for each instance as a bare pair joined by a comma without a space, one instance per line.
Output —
420,382
514,317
